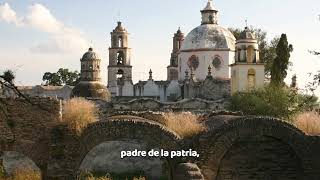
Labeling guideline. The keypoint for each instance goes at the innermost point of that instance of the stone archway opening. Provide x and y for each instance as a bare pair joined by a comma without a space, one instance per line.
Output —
105,160
260,157
17,164
107,138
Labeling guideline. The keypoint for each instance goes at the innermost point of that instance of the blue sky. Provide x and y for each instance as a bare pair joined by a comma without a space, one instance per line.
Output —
42,35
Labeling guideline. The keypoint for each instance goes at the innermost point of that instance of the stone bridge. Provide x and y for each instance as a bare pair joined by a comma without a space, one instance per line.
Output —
232,147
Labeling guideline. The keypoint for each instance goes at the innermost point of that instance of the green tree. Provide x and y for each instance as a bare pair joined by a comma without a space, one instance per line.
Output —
267,50
61,77
316,77
52,79
274,101
281,63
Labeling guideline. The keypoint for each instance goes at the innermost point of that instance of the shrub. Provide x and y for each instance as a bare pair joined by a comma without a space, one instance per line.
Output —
309,122
185,124
78,113
281,102
2,172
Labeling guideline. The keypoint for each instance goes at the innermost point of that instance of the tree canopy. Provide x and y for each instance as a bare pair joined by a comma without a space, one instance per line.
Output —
61,77
274,101
281,62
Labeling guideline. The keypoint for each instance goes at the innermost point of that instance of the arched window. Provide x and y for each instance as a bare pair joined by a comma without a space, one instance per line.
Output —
251,79
193,62
239,55
120,41
234,81
173,74
120,58
210,19
120,74
250,54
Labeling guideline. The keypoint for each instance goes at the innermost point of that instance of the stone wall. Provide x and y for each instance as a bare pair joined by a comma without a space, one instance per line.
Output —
26,127
257,148
97,160
60,92
147,104
233,147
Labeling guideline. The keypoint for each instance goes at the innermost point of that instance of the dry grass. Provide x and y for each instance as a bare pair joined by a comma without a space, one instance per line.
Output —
106,178
78,113
23,174
86,175
26,175
309,122
185,124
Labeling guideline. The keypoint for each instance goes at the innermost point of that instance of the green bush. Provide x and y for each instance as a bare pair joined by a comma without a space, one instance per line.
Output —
275,101
2,172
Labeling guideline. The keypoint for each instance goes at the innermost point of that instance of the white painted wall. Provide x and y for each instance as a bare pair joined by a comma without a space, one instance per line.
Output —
127,89
205,59
241,76
151,89
174,88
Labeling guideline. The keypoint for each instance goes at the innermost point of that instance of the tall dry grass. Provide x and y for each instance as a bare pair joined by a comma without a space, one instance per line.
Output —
78,113
86,175
26,174
309,122
185,124
23,174
107,178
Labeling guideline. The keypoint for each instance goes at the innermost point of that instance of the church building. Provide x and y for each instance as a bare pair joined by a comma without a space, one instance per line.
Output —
208,63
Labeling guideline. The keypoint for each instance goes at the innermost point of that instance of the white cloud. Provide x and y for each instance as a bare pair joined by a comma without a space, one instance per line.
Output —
9,15
61,38
41,18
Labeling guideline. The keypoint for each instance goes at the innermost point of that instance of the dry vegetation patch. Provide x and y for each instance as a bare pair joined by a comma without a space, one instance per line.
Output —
309,122
185,124
78,113
23,174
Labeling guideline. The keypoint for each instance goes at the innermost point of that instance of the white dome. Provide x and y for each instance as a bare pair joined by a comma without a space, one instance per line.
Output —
209,36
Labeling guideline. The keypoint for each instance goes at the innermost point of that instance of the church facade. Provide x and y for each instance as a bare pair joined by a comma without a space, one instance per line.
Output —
207,63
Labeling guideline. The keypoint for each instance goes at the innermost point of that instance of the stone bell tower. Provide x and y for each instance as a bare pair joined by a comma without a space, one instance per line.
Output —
247,73
119,68
172,69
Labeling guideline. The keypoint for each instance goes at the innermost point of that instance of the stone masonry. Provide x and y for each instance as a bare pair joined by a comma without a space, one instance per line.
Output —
233,147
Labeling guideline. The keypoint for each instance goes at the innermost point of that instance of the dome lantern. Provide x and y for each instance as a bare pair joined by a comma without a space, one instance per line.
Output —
247,34
209,14
90,85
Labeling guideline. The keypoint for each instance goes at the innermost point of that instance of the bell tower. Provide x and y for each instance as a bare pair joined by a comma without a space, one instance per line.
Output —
172,69
119,68
247,73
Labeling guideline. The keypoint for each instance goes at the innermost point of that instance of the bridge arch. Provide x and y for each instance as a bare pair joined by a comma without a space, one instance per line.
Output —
29,152
153,135
222,146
